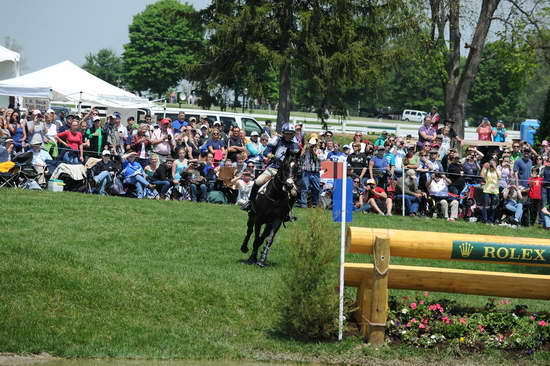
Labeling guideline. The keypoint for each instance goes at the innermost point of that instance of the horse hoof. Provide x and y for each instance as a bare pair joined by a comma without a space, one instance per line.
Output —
244,248
262,264
251,260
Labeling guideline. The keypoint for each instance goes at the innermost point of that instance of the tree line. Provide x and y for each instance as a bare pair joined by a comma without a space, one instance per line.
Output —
343,56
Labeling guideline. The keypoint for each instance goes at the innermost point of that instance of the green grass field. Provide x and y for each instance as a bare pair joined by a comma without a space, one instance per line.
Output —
98,277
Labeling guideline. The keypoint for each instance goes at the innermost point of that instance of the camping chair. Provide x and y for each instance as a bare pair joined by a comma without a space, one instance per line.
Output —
9,175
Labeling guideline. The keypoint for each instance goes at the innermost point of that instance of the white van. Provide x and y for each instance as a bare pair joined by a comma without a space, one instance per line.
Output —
227,119
412,115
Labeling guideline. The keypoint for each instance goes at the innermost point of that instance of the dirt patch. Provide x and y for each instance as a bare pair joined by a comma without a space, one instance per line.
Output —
18,359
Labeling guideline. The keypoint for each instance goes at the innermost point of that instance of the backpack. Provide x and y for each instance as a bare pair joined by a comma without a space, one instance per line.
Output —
216,197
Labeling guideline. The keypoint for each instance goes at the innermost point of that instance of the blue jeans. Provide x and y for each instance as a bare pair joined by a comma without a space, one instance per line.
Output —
72,157
140,182
490,202
412,203
162,186
546,220
102,179
516,208
310,181
203,190
545,196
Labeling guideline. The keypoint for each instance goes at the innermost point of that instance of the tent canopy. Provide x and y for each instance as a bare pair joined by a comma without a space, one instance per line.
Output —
9,63
67,82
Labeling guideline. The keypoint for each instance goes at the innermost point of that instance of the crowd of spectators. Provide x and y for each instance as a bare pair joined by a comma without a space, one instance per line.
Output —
433,175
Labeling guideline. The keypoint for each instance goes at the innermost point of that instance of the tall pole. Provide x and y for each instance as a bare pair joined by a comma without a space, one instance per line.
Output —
342,247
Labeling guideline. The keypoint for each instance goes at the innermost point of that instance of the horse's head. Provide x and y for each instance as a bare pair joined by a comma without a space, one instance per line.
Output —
289,174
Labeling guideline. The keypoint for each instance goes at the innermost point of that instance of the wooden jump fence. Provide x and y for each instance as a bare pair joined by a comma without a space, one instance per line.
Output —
374,279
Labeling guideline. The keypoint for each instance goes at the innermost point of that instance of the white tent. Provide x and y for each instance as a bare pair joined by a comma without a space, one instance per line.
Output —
67,82
9,63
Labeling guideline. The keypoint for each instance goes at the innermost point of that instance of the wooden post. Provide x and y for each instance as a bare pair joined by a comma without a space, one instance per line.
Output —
364,304
379,305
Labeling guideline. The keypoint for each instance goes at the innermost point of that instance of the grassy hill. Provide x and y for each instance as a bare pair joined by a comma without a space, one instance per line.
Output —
90,276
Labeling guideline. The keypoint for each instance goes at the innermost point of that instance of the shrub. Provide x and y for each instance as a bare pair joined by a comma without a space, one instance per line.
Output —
309,296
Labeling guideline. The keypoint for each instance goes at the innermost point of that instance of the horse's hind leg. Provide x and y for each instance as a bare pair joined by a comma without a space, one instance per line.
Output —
274,228
249,231
258,243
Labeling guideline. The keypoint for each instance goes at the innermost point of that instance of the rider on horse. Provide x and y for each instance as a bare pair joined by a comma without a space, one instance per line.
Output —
277,150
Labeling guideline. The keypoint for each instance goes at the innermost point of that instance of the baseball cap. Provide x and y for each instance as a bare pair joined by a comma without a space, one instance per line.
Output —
254,133
35,112
50,111
204,126
371,181
164,121
96,118
105,153
218,123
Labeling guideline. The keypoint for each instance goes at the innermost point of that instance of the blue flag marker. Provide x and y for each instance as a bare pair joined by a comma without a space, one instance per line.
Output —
337,200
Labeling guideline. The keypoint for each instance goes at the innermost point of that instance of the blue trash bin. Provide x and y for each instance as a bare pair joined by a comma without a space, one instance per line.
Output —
528,129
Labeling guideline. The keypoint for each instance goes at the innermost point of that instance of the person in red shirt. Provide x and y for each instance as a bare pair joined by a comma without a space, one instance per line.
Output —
535,183
72,139
376,198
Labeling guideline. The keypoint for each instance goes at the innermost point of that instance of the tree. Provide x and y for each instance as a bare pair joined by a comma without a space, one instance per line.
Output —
163,38
502,79
331,44
106,65
544,131
458,78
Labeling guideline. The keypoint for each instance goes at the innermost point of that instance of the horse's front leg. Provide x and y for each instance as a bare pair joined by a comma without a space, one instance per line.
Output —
274,228
257,243
249,231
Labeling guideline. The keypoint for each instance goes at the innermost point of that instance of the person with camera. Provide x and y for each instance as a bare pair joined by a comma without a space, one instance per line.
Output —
377,199
438,189
162,177
163,140
197,182
311,179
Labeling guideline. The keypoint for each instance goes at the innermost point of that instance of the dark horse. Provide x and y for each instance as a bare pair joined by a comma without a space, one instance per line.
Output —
270,208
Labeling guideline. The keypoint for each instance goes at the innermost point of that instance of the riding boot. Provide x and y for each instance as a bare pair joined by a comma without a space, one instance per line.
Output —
253,193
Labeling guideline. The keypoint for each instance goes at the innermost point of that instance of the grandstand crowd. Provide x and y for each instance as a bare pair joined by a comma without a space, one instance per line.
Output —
433,175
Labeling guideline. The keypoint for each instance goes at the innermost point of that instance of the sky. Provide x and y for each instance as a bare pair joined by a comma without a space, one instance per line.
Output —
52,31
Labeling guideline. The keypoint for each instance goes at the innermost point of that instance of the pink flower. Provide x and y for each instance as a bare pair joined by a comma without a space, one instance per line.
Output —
413,305
481,328
425,321
532,317
421,302
408,325
426,294
542,323
413,320
422,326
504,302
432,307
462,320
446,320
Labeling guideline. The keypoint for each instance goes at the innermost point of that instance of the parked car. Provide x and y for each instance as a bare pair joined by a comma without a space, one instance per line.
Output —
227,119
413,115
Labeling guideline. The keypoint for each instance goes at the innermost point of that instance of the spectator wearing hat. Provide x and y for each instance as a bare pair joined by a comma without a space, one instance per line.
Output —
376,198
379,168
39,158
426,133
72,140
36,127
141,144
117,135
89,117
409,190
104,172
499,132
133,174
485,132
311,179
6,149
178,123
163,140
254,148
95,139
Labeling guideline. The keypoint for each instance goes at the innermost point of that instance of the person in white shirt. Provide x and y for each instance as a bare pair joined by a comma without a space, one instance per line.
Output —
39,158
163,140
243,183
438,188
50,131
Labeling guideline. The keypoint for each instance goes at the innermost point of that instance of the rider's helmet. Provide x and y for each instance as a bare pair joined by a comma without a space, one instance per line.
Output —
288,128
